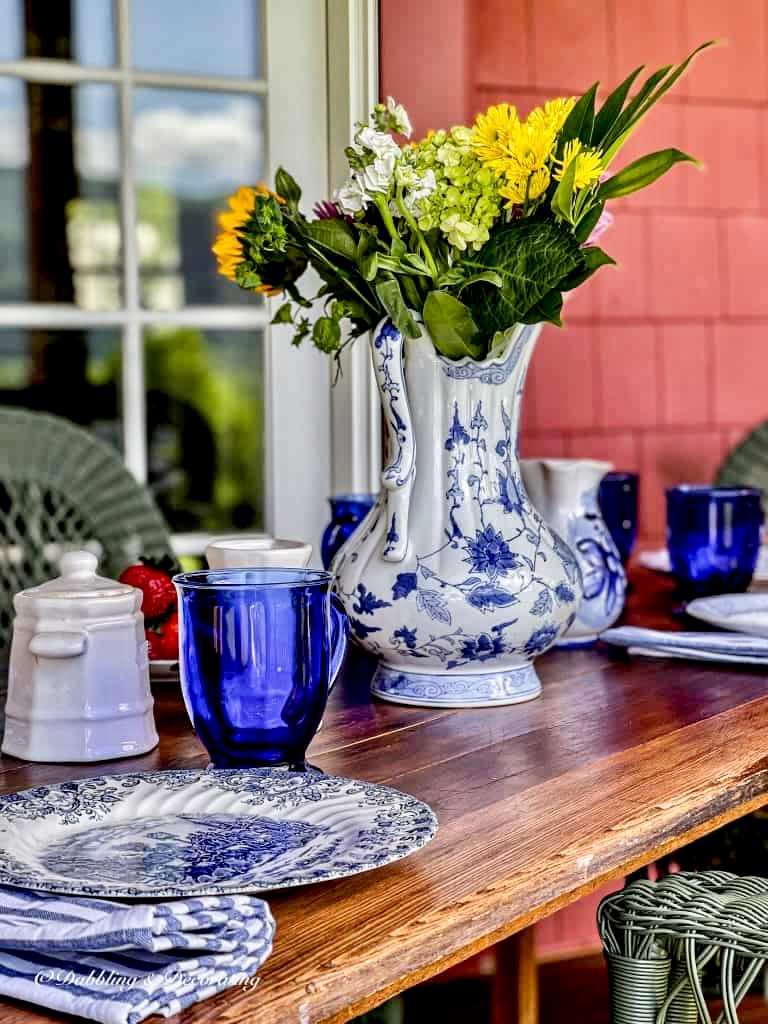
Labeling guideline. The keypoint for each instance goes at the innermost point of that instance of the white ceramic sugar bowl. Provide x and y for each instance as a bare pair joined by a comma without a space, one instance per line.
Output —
78,684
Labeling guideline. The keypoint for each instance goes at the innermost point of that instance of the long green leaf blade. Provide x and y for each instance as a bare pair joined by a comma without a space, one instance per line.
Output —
578,124
612,107
641,173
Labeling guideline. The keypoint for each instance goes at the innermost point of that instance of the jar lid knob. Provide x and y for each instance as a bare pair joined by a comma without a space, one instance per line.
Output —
80,564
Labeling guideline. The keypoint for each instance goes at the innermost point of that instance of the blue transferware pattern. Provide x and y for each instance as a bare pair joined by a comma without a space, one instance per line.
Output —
565,492
202,832
454,580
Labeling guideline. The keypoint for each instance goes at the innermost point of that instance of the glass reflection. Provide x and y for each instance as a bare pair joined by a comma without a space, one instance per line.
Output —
191,150
78,30
70,373
205,426
203,38
59,194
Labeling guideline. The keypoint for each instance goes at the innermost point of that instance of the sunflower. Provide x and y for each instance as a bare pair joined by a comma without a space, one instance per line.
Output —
492,135
235,223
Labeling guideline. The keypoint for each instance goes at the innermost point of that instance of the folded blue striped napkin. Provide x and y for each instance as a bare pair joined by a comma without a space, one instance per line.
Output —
119,963
698,646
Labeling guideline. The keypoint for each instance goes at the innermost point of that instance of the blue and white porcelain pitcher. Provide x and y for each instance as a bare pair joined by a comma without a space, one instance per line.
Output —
453,579
565,491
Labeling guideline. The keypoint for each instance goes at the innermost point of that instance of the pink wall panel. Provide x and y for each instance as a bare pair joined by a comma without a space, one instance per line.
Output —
663,362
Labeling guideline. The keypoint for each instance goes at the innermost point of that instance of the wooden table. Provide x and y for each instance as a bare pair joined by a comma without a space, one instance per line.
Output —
618,762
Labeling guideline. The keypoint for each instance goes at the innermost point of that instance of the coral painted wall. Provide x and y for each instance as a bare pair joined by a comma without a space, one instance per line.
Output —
663,363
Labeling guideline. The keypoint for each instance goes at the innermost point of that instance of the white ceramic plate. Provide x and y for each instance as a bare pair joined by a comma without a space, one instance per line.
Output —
191,833
164,671
658,560
742,613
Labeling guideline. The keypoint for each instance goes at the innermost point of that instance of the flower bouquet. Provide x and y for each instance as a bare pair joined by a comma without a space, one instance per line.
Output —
451,252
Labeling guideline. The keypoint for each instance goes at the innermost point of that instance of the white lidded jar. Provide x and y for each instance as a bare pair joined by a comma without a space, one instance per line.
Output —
78,684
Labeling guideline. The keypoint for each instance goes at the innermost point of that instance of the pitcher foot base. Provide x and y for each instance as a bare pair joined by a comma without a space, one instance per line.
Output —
454,690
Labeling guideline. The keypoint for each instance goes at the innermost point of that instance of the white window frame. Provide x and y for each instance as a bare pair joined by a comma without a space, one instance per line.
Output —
321,75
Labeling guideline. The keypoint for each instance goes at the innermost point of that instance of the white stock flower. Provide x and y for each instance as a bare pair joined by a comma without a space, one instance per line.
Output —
351,198
379,143
399,116
417,190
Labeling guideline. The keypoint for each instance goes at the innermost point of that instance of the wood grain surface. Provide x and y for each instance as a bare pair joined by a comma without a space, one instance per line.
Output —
619,761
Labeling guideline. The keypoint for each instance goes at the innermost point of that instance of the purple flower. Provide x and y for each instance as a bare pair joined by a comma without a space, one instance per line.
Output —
604,222
490,553
326,210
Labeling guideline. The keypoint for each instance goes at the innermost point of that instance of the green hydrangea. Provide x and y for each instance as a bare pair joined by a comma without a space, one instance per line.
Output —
465,202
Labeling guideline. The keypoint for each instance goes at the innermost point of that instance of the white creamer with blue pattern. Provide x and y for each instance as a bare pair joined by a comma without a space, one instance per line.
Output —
454,580
565,492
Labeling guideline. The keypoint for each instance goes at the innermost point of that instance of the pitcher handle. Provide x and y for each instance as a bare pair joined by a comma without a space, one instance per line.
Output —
339,638
397,476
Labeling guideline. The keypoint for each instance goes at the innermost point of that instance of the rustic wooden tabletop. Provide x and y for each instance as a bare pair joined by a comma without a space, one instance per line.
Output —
619,761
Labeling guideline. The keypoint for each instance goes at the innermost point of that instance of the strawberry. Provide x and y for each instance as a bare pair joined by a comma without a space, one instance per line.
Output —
159,594
168,636
153,642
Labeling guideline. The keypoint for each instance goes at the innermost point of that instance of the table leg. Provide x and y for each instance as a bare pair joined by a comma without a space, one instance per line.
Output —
515,993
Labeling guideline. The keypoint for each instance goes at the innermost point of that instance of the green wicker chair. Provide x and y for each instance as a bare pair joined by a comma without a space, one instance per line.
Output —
62,488
661,938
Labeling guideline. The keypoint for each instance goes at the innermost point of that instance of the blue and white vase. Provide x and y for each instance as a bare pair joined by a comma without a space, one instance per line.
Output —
453,579
565,491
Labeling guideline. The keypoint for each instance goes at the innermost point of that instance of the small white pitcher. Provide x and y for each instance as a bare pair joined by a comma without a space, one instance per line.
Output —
565,493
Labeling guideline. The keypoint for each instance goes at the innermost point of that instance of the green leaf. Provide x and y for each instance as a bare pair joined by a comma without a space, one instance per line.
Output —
642,172
334,235
579,123
412,261
391,298
561,200
284,315
397,248
592,259
547,310
488,276
286,186
584,227
531,256
611,109
451,327
326,334
659,83
302,330
369,266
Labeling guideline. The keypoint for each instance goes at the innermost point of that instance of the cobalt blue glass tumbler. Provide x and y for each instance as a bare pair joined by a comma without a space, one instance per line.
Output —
617,497
347,512
259,650
713,535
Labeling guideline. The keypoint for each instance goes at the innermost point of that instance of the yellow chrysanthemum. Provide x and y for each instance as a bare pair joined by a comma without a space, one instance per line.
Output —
553,114
492,134
532,146
522,188
589,164
228,247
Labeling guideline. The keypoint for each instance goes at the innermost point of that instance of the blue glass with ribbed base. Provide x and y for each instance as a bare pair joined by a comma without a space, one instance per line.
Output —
259,650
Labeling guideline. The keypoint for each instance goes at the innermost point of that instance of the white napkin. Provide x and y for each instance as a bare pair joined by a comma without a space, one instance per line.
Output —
119,963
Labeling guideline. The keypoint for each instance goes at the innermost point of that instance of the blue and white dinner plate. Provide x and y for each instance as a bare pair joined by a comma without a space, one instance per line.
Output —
195,833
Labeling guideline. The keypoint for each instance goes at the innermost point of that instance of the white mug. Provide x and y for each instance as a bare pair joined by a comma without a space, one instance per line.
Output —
257,551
